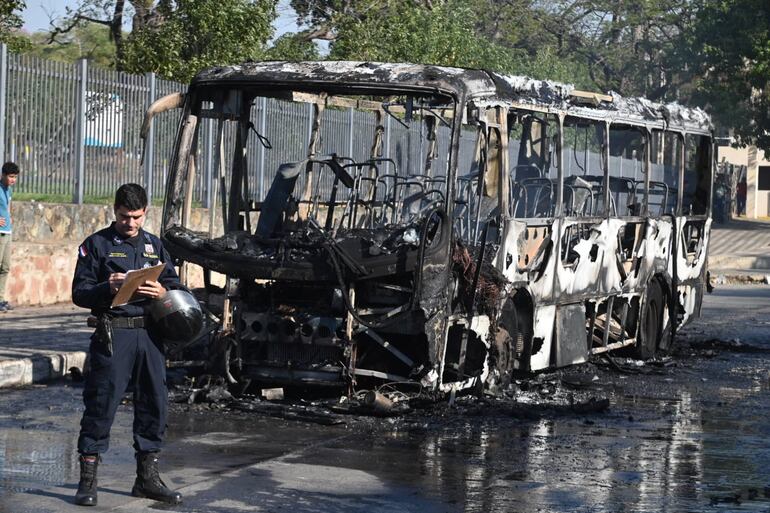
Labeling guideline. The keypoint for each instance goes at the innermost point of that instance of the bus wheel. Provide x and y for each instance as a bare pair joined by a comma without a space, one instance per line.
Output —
665,342
651,322
513,339
505,355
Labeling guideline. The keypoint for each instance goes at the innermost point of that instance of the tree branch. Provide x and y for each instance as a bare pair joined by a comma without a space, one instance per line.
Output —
74,22
322,32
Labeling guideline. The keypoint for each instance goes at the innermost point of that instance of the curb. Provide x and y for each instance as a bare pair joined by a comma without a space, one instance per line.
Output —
39,368
733,277
748,263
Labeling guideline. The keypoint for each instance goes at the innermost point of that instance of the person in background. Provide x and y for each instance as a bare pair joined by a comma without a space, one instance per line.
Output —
7,181
741,197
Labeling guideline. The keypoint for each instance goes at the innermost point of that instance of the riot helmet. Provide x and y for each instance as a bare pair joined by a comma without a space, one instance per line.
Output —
177,317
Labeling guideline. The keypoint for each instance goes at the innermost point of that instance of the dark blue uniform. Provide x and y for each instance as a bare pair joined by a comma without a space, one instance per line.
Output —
137,358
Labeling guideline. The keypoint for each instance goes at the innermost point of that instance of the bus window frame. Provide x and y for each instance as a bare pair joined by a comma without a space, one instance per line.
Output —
711,171
644,131
604,163
680,137
549,117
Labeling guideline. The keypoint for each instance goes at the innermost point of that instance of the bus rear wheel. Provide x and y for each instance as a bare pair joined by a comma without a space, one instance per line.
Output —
651,322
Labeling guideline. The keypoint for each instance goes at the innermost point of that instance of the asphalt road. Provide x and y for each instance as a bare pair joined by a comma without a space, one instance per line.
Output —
688,434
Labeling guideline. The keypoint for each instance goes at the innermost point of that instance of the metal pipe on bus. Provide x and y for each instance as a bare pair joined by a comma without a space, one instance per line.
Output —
168,102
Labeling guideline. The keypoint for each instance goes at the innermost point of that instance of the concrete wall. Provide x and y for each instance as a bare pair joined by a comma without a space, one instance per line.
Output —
45,244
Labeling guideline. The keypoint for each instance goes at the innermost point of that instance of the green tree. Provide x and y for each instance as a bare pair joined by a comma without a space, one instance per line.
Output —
728,53
292,47
192,34
623,46
176,38
441,33
499,35
10,23
87,40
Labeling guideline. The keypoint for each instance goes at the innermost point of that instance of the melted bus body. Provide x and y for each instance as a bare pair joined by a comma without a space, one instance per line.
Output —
471,226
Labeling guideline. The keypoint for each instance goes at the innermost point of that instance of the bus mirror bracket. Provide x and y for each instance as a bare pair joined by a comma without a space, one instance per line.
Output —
168,102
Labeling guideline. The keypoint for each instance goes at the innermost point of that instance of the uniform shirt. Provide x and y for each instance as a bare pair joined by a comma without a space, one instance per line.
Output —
106,252
5,208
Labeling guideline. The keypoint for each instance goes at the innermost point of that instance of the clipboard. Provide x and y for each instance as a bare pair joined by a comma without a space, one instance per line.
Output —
127,291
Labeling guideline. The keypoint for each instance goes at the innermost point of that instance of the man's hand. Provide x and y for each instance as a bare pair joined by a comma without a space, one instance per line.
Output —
2,221
116,280
151,289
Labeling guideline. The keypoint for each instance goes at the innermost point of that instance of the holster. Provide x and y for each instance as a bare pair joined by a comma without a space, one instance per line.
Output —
103,327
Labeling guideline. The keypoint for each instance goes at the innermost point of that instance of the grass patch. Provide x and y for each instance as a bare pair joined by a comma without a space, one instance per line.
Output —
67,198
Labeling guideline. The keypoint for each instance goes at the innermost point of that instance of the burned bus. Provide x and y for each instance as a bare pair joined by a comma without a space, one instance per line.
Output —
443,227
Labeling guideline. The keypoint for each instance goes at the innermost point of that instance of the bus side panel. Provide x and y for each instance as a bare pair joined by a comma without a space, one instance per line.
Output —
571,341
653,257
542,341
594,271
691,256
521,243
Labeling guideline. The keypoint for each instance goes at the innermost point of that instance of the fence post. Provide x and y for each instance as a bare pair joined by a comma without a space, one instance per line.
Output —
387,144
80,130
262,149
351,125
3,95
310,112
149,150
208,131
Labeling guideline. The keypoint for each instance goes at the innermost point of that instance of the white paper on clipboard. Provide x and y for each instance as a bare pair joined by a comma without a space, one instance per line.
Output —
133,280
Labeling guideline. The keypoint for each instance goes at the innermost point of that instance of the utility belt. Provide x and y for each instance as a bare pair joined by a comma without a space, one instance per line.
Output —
104,325
120,322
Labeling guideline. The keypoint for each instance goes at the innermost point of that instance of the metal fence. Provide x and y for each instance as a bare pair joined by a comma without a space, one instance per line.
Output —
74,131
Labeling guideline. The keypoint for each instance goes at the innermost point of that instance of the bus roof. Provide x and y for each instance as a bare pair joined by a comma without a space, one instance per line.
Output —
524,91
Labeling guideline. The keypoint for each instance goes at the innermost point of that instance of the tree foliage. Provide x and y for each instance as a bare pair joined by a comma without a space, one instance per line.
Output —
87,40
411,32
10,23
728,49
181,38
293,47
176,38
624,46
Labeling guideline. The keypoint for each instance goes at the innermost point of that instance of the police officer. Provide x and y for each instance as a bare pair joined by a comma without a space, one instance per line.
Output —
123,352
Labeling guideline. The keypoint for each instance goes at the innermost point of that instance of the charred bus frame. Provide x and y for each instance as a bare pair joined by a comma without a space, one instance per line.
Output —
571,223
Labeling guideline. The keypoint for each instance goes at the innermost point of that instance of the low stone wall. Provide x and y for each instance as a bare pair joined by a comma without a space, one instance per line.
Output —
46,237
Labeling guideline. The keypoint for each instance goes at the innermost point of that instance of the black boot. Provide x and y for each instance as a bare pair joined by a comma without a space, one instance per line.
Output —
148,482
86,495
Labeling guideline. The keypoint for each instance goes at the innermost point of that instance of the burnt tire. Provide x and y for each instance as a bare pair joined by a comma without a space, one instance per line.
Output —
513,338
650,322
665,341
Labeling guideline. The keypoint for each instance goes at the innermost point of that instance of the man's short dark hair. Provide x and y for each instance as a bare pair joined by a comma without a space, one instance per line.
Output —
10,168
132,196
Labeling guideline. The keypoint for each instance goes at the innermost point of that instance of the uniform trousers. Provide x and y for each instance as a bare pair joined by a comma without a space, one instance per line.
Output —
138,364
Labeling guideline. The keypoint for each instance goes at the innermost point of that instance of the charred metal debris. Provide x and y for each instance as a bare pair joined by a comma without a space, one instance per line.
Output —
547,395
432,228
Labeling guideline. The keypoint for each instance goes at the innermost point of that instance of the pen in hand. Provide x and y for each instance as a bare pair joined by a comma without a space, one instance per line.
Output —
116,278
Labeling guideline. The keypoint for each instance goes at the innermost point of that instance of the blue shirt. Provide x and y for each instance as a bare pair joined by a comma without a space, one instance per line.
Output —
5,208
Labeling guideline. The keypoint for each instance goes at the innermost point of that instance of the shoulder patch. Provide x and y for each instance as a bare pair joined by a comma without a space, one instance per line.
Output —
82,251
